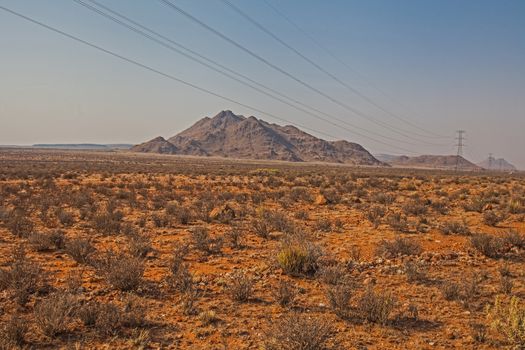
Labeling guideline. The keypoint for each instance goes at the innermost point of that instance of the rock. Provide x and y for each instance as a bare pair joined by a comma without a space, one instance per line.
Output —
320,200
222,213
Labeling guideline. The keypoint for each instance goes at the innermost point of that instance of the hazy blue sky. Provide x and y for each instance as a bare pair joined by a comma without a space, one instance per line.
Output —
445,65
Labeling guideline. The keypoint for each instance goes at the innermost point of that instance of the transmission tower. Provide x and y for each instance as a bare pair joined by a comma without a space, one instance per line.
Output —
460,138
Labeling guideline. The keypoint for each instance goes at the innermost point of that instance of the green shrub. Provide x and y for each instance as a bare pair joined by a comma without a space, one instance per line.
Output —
509,320
296,258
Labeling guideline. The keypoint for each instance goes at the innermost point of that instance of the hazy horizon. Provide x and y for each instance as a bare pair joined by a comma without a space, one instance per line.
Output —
444,66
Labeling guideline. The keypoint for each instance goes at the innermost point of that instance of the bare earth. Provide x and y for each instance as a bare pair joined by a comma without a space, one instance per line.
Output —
102,250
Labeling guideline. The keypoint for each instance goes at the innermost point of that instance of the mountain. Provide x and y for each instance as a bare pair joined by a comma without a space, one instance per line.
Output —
235,136
496,164
429,161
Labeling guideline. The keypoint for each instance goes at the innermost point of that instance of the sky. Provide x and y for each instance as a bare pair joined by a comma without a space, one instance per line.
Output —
408,73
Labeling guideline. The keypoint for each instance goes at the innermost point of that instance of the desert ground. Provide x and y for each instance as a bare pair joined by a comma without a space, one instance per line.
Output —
114,250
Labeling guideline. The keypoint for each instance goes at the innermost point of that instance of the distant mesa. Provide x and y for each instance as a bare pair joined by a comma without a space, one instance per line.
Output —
446,162
498,164
85,146
235,136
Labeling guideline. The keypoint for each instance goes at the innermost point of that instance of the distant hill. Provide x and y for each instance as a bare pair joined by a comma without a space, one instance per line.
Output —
496,164
430,161
236,136
82,146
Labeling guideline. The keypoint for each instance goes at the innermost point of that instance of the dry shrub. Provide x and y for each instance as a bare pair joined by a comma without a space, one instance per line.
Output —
188,299
415,207
208,317
514,239
122,271
506,284
47,241
139,245
180,214
240,287
108,222
65,217
374,214
235,237
397,222
399,246
261,228
455,227
332,274
19,224
52,314
338,297
415,272
375,307
80,249
13,332
203,242
298,332
475,204
488,245
22,278
284,293
277,221
450,290
109,319
491,218
478,332
323,224
181,279
161,220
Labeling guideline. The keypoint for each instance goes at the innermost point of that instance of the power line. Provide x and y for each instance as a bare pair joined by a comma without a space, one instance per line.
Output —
342,62
141,32
282,71
314,64
151,69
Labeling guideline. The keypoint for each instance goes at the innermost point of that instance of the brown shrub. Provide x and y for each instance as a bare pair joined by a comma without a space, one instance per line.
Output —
20,224
203,242
399,246
13,333
491,218
122,271
375,307
139,245
374,214
52,314
23,277
397,222
415,272
240,287
298,332
488,245
338,297
332,274
80,249
284,293
455,227
235,237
